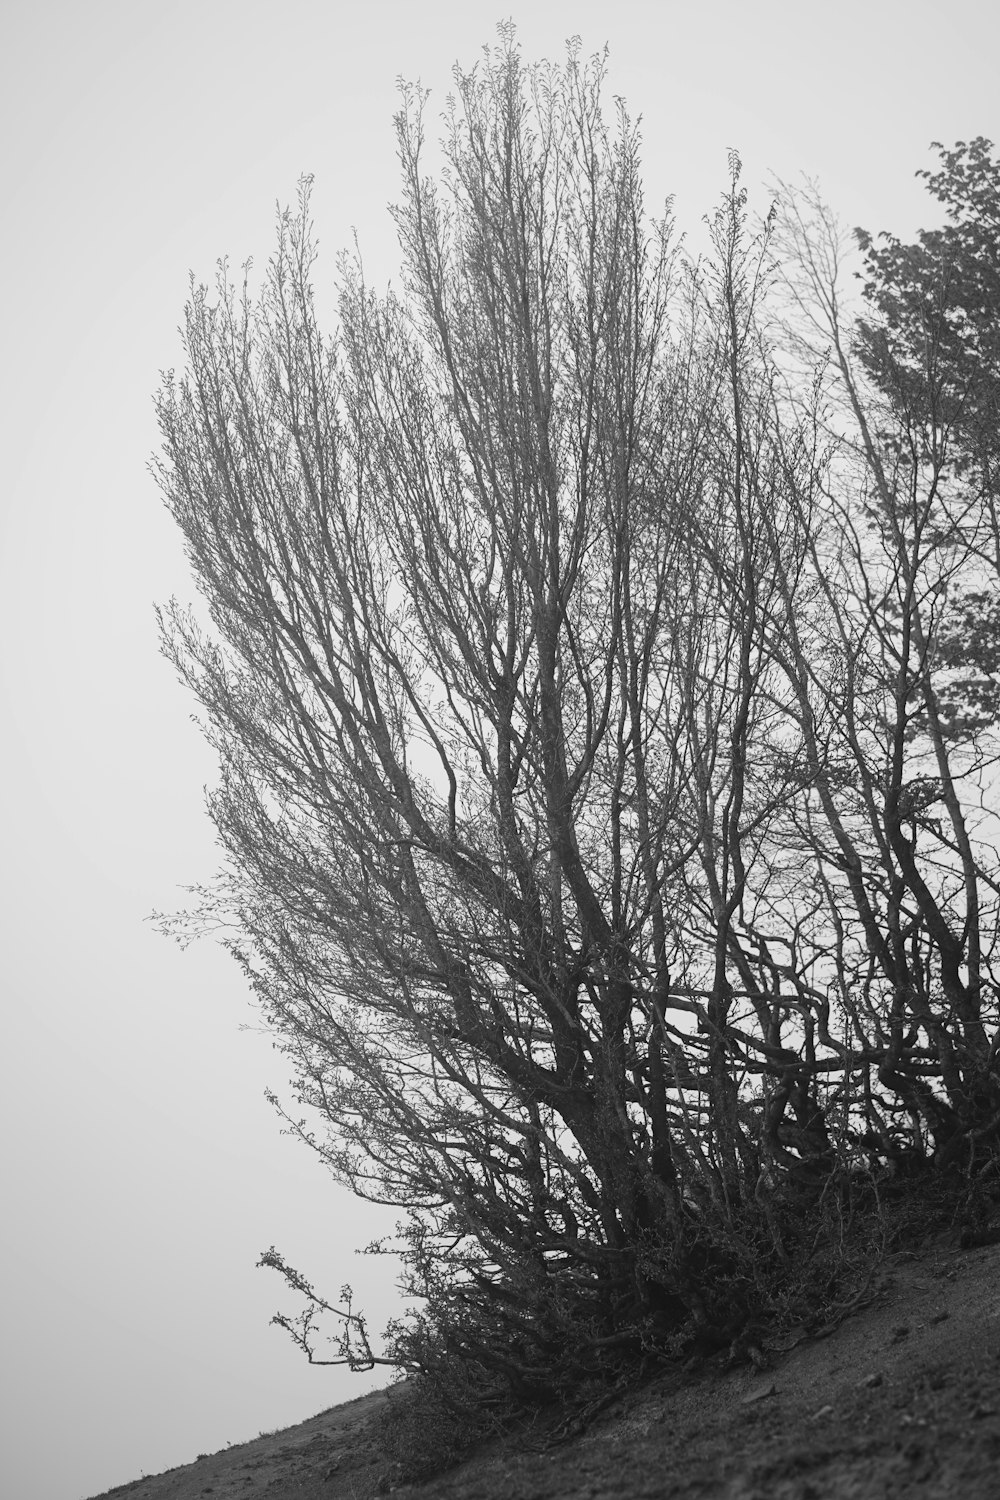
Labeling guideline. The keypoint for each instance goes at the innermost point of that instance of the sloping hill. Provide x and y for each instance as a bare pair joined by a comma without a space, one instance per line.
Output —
900,1400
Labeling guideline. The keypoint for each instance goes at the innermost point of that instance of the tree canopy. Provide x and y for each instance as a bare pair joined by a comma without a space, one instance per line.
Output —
932,347
587,644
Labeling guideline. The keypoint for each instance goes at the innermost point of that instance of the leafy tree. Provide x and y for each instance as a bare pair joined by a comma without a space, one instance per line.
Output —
932,346
574,680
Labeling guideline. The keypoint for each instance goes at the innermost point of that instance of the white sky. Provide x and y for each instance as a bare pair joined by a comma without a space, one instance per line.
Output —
143,1172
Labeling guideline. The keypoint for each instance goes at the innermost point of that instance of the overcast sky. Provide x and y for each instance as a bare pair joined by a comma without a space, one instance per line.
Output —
143,1171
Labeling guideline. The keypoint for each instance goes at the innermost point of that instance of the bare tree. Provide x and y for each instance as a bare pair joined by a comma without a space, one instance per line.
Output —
568,673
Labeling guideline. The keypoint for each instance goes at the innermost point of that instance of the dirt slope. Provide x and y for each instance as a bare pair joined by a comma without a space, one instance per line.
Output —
901,1400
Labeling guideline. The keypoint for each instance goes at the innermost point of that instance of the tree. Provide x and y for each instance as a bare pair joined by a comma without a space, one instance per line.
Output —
569,679
933,344
932,347
913,528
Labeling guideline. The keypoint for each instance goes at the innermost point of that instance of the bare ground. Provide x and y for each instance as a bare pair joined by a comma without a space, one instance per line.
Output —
901,1400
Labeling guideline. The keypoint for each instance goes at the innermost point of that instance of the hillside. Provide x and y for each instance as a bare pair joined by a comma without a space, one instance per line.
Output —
902,1399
